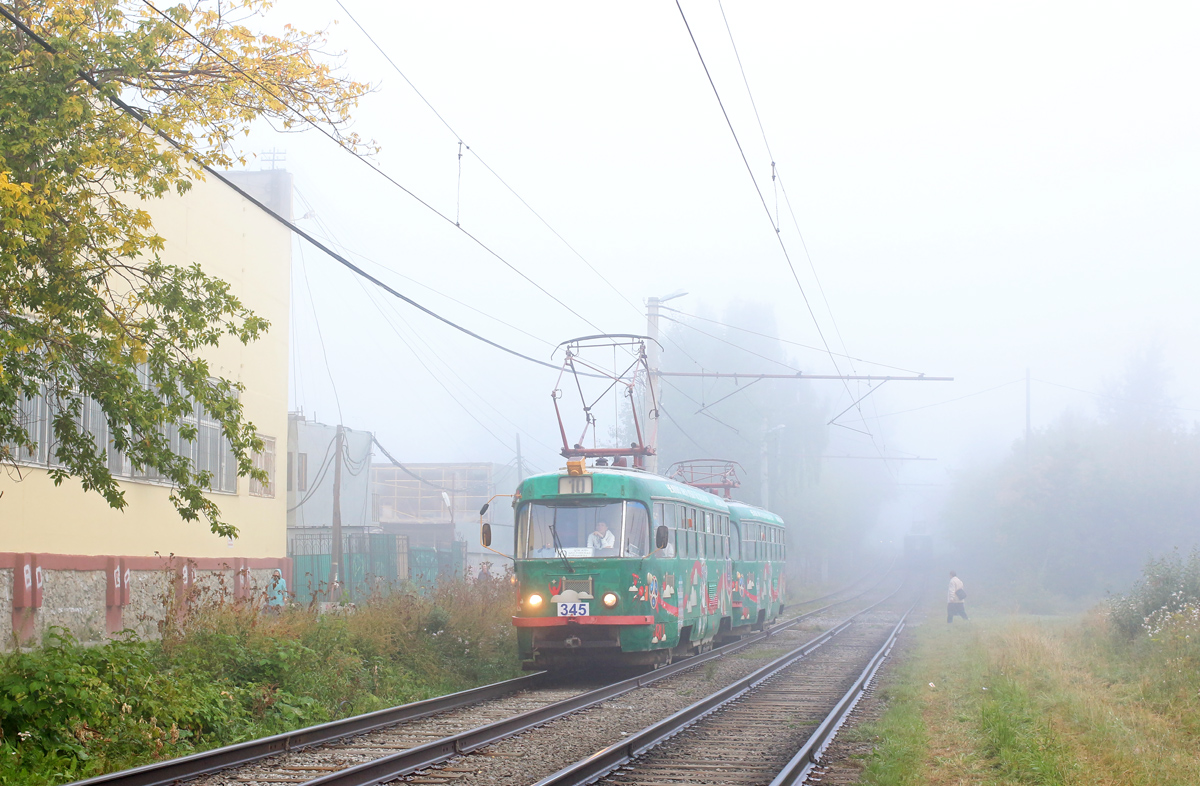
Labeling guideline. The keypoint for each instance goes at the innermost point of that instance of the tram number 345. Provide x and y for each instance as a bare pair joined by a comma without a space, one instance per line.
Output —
572,609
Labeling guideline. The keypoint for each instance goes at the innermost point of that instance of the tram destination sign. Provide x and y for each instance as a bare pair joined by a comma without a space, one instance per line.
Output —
575,484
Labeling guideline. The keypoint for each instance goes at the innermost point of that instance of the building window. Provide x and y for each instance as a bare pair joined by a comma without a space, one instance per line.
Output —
302,472
264,460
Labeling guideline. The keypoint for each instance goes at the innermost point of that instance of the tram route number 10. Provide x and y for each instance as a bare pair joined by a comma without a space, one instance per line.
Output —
572,609
575,484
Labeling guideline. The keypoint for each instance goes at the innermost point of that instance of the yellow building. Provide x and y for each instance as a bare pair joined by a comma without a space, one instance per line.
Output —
66,557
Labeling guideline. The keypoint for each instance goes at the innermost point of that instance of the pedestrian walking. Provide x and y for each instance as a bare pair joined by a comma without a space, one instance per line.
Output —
954,601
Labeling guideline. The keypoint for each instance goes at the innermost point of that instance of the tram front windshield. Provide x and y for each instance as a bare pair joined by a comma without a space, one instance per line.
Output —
609,529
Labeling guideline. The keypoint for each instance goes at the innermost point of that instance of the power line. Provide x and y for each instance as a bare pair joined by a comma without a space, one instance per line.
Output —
730,343
320,337
410,473
767,210
320,477
681,429
776,338
137,115
776,174
952,400
373,167
311,212
436,379
435,357
500,179
433,353
1116,398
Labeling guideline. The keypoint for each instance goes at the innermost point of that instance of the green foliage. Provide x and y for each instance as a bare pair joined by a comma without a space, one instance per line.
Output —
90,315
1170,586
900,736
1093,500
228,673
1021,746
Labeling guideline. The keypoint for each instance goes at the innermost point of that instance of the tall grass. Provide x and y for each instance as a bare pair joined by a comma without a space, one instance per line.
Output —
227,671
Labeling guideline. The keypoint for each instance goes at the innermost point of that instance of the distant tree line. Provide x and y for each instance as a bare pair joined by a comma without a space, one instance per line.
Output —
1081,509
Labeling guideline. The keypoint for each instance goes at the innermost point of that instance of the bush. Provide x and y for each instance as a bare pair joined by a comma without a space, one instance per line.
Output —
226,672
1168,586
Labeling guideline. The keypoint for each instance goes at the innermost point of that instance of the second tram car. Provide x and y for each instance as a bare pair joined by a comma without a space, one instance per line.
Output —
621,566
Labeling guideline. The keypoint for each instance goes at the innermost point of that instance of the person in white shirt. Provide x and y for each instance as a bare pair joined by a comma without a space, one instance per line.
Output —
954,602
602,538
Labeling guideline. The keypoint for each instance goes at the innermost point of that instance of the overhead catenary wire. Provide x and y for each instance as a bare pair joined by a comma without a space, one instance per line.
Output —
432,353
475,153
320,476
777,175
1114,398
358,156
320,337
329,236
774,224
137,114
776,338
952,400
410,473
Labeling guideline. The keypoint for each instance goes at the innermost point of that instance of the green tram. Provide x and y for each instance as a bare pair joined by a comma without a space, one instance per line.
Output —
620,566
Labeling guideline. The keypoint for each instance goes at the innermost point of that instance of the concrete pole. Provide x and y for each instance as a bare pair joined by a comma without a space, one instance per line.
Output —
1028,429
335,548
652,361
764,467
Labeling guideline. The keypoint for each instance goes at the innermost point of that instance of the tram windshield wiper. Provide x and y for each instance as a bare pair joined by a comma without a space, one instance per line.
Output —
558,547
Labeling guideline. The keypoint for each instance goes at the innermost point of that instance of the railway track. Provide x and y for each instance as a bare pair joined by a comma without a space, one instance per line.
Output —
766,729
380,746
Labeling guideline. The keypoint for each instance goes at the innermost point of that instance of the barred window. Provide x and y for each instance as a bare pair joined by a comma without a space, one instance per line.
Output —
264,460
210,451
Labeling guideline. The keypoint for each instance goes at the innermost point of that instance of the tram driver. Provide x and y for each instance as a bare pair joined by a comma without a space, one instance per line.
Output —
602,538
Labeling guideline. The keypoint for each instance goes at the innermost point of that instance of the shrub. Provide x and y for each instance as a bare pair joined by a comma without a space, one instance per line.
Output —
224,672
1168,586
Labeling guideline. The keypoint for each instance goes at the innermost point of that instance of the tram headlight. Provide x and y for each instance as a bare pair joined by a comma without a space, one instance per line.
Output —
535,600
609,600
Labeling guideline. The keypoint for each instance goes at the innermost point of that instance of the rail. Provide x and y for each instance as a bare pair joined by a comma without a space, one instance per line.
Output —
402,763
618,755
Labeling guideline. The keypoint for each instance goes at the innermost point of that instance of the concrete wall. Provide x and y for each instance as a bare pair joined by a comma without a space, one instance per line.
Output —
234,240
75,592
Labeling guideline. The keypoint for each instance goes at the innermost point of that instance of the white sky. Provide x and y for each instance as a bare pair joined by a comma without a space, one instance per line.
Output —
984,187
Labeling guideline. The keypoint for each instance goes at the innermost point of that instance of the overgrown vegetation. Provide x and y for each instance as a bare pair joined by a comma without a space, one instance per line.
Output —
227,672
1020,700
1076,513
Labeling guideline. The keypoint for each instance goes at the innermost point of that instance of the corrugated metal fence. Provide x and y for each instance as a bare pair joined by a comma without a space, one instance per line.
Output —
372,564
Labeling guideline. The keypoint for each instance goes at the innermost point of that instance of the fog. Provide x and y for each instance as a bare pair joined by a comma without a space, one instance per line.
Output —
982,189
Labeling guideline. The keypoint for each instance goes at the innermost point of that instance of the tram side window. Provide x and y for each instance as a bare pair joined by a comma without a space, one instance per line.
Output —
693,534
668,520
637,529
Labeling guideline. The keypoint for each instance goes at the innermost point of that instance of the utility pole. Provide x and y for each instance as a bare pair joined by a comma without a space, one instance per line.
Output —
1028,430
520,464
764,494
652,361
335,549
653,358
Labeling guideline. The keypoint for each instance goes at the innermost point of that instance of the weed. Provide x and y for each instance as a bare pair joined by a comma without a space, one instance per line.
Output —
224,672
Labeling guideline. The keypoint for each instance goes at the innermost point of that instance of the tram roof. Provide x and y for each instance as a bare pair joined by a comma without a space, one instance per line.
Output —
652,485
